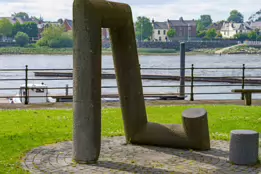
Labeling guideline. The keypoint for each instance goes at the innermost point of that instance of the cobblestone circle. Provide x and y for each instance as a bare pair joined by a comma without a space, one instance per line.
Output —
117,157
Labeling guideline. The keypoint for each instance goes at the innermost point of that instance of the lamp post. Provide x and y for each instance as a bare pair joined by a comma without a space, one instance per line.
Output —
141,31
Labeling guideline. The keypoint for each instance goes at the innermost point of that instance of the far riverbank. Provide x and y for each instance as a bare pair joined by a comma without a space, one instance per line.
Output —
69,51
241,49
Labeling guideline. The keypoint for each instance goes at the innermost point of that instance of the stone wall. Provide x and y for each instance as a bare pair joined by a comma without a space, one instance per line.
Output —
189,45
7,44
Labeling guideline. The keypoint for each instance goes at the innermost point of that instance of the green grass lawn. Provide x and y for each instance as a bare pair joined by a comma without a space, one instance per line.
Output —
22,130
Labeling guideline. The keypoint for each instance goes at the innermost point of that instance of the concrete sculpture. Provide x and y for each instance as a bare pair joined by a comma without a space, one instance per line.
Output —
89,16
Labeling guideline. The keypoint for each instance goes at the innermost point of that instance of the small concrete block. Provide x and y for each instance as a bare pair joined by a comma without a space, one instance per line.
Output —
243,147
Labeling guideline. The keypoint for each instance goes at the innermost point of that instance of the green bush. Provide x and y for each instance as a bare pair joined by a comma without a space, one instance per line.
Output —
61,42
21,39
42,42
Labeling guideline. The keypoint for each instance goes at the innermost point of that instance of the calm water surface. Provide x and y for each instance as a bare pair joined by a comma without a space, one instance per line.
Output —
203,61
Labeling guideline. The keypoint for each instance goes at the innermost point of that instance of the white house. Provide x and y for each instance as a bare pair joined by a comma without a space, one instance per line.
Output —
229,29
160,30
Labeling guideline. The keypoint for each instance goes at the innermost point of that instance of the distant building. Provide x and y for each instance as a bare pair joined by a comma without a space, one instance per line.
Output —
230,29
185,29
69,26
160,30
217,26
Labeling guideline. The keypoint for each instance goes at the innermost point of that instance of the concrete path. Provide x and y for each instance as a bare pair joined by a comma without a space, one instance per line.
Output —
117,157
227,48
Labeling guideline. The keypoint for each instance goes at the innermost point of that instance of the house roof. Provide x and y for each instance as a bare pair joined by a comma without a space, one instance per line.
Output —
13,20
216,26
256,24
160,25
181,23
69,22
236,26
173,23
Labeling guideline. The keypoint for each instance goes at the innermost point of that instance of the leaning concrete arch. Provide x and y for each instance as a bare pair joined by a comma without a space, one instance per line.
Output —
89,16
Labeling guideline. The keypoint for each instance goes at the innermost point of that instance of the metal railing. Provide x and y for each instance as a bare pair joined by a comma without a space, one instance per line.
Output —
240,81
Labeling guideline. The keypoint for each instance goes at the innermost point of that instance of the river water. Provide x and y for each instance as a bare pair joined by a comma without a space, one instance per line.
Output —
199,61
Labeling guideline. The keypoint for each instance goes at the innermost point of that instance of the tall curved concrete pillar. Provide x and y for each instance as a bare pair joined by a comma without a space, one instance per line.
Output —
88,18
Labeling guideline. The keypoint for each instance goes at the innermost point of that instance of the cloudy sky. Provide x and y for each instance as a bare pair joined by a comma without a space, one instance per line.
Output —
160,10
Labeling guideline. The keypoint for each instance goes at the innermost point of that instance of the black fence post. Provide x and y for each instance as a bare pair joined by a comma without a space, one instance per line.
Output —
26,85
243,81
192,83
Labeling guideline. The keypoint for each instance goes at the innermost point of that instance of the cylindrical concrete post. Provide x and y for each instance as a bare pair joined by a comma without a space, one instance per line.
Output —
243,147
195,123
182,70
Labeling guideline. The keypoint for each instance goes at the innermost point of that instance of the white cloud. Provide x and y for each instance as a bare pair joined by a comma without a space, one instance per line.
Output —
161,11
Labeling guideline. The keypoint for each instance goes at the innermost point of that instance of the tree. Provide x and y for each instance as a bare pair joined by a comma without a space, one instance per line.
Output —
171,33
30,28
21,39
200,26
211,33
219,35
21,15
241,36
202,34
252,35
16,28
255,17
55,37
143,28
206,20
5,27
60,21
236,16
53,31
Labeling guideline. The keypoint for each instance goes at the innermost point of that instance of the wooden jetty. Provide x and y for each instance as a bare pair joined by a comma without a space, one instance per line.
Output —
159,77
166,96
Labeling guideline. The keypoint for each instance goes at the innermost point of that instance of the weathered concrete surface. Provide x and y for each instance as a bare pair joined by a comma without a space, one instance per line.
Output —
88,18
244,147
119,158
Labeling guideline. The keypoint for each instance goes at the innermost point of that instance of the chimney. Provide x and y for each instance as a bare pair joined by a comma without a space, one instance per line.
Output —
181,18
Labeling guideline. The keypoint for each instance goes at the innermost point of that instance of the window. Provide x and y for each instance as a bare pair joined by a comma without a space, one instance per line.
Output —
164,32
159,32
160,38
39,90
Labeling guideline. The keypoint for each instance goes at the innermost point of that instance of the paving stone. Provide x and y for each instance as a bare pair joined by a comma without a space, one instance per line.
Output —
119,158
